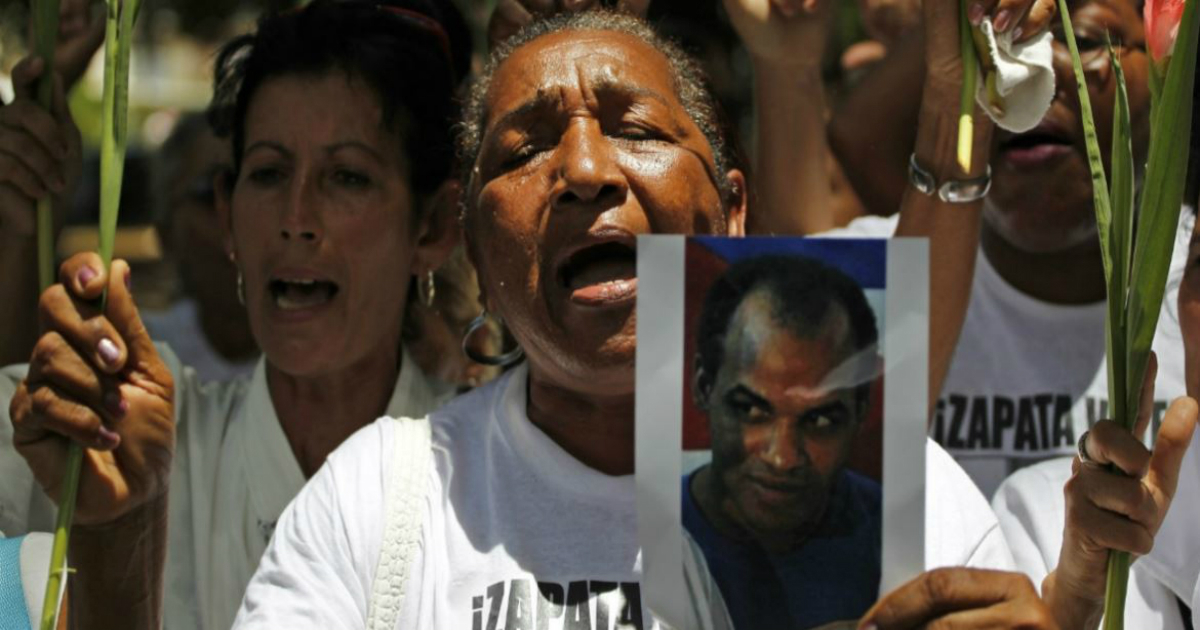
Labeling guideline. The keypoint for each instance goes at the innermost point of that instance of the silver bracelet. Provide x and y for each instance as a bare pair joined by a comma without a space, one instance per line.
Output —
950,191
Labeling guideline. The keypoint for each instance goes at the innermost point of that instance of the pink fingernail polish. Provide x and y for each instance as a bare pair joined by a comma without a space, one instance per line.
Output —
1002,20
1017,32
108,350
85,275
128,280
975,14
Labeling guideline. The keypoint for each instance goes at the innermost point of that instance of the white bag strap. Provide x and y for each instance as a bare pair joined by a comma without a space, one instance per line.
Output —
402,528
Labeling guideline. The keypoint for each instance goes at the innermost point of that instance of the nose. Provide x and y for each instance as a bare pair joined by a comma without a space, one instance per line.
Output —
784,449
301,219
588,173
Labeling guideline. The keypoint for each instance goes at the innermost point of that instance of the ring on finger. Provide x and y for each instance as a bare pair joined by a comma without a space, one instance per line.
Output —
1081,449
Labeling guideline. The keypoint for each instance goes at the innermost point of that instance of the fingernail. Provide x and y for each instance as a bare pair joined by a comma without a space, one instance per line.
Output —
108,351
1002,20
115,404
128,280
786,9
975,14
85,276
107,439
1016,35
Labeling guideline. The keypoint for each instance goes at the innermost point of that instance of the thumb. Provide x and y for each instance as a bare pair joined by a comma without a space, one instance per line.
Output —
122,313
1174,437
25,75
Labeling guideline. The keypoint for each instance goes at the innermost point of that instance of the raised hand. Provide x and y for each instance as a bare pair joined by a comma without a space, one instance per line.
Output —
510,15
80,33
1107,510
783,32
96,379
961,598
39,151
941,28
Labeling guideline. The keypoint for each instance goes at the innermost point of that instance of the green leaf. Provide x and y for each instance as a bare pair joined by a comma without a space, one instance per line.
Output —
1095,161
1123,212
1161,200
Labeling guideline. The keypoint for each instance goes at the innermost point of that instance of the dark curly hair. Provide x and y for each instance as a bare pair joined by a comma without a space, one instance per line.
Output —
688,79
412,53
802,292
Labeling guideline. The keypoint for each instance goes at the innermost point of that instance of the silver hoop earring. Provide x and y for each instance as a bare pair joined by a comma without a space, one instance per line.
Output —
241,288
500,360
426,290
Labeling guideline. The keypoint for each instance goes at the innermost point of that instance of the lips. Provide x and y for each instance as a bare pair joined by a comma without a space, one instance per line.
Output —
300,291
1038,146
601,271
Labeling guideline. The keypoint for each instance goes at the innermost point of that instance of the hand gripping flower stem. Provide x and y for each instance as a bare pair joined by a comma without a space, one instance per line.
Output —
45,35
118,42
1136,242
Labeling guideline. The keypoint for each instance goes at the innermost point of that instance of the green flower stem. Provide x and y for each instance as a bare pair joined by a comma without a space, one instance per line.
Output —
966,101
118,40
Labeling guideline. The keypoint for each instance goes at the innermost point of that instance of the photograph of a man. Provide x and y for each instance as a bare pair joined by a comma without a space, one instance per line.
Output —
786,352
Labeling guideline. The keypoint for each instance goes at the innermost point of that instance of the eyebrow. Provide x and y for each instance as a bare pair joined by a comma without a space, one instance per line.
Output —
741,391
608,85
544,100
331,149
540,103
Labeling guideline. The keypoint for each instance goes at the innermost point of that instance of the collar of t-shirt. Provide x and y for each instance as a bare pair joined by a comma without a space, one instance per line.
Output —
274,474
545,458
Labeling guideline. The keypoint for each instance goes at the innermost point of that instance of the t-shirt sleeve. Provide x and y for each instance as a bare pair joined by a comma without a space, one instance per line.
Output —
317,570
960,527
1031,510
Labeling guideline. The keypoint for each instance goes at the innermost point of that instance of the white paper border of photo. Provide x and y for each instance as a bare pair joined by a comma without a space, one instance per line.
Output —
660,330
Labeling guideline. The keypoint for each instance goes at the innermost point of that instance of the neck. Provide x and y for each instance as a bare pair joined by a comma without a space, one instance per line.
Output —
596,430
319,412
234,342
1073,276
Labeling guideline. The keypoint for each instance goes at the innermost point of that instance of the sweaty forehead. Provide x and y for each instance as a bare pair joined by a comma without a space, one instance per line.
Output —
573,63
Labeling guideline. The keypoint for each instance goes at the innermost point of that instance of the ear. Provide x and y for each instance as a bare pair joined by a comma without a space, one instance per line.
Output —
223,199
438,233
701,384
738,202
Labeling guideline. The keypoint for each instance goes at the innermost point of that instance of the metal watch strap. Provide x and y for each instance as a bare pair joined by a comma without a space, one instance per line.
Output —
950,191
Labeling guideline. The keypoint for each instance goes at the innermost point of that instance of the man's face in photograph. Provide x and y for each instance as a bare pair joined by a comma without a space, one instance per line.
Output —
781,431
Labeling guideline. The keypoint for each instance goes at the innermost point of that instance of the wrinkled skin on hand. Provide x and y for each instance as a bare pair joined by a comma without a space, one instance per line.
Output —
962,599
96,379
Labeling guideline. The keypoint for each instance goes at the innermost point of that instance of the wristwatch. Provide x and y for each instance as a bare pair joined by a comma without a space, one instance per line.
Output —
950,191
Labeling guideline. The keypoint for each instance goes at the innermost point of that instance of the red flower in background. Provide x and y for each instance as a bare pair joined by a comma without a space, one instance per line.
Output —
1162,25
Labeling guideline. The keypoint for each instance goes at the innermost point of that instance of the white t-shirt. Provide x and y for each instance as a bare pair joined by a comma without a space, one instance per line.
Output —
1029,377
516,533
1031,510
233,474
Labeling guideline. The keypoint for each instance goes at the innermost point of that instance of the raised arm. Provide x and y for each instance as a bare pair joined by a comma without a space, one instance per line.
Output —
39,156
786,40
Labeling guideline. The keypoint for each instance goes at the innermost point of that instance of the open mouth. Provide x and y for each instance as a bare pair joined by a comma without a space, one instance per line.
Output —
601,273
292,294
